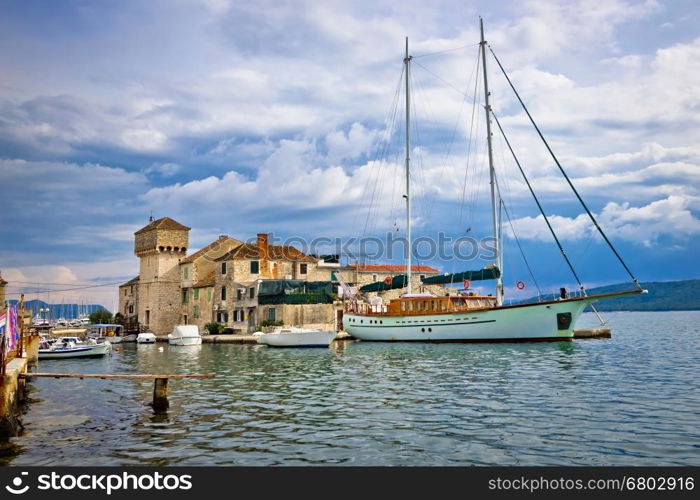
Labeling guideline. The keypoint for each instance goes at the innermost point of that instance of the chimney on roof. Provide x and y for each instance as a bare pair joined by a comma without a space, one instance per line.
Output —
263,245
264,249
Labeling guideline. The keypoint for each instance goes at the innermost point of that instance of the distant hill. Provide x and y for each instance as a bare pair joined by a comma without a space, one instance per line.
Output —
662,296
56,311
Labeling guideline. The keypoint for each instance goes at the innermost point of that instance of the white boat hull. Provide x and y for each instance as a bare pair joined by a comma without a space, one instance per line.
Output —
83,351
185,341
112,340
509,323
297,339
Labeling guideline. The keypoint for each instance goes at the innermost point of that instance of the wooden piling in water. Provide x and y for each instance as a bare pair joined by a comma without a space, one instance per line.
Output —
160,394
160,385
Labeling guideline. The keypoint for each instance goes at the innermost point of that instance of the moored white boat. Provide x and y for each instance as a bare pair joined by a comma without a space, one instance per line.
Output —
296,337
72,350
185,335
146,338
438,316
107,331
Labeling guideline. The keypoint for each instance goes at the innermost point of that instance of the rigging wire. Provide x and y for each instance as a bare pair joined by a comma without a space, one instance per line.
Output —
517,240
537,201
49,291
561,169
448,158
380,158
445,51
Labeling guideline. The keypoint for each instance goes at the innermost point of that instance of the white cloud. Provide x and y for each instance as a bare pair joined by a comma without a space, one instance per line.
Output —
164,169
357,142
671,216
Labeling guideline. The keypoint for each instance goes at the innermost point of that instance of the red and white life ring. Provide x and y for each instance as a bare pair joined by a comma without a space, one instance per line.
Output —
520,285
388,280
467,284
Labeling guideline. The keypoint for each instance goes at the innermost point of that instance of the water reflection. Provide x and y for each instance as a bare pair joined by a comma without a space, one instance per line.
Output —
631,399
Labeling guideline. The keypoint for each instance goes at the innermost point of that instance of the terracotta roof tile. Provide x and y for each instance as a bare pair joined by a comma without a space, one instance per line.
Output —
163,223
208,280
210,246
132,281
277,252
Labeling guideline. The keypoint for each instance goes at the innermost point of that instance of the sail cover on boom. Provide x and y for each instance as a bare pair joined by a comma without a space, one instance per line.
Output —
380,286
490,273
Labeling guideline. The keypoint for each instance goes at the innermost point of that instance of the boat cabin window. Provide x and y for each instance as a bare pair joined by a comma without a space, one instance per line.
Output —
403,306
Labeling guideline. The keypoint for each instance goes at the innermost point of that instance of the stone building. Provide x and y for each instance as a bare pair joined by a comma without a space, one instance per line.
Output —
160,246
240,273
197,273
223,282
129,298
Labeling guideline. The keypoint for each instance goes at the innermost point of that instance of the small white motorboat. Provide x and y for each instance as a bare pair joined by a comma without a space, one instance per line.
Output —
185,335
108,331
60,350
295,337
146,338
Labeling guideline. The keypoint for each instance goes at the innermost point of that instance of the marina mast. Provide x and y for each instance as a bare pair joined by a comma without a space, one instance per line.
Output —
407,67
487,107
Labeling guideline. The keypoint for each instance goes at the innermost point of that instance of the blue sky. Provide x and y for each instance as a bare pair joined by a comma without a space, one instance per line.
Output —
245,117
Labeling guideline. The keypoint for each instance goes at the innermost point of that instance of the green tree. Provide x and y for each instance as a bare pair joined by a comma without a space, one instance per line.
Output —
214,328
101,316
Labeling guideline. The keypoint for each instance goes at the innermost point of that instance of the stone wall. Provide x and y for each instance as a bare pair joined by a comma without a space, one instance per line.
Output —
198,308
12,394
160,251
128,296
162,240
301,315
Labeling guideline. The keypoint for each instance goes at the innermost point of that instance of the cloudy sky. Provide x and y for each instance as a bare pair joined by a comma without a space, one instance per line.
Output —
237,117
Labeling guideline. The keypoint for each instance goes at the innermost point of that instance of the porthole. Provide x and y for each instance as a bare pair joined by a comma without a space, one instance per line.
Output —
430,329
422,330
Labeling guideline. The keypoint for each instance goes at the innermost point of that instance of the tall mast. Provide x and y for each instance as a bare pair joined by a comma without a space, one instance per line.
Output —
407,64
487,106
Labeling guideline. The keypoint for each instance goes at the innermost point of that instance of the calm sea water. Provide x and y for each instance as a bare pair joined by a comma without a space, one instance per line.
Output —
630,400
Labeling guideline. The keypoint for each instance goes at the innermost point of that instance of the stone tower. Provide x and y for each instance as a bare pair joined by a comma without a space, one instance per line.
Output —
3,283
160,245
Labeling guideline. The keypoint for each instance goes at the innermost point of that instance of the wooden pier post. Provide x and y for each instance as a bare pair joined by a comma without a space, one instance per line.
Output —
160,386
160,394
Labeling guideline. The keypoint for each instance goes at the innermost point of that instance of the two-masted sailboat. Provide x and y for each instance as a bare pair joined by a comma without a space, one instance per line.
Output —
471,317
